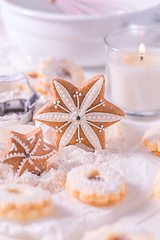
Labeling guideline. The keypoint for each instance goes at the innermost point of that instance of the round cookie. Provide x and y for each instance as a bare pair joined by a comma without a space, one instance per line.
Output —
115,232
93,185
151,139
20,201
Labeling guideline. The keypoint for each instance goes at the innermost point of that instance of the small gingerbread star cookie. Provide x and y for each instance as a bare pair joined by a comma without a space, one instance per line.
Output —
79,115
27,152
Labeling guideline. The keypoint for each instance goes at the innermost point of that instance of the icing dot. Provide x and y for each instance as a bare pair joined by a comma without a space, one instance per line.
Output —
76,92
58,101
103,105
55,106
80,94
64,96
100,100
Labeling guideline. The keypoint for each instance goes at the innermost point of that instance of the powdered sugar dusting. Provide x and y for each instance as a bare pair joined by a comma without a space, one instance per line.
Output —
52,180
26,194
112,180
127,140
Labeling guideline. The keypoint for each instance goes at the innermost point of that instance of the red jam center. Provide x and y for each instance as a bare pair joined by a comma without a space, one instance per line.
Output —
95,178
120,238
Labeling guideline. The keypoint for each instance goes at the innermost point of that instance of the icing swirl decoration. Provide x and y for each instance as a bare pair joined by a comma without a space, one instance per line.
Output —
27,152
79,115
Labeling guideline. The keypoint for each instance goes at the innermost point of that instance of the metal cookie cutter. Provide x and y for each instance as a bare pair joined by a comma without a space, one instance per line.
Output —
22,107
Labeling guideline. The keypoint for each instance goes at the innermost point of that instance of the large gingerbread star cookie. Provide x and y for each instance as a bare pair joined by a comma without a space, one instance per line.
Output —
79,115
27,152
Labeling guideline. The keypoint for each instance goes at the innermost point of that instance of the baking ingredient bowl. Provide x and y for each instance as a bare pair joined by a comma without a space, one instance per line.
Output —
43,29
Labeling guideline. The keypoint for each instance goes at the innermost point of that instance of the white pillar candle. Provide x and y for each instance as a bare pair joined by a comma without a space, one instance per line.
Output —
134,81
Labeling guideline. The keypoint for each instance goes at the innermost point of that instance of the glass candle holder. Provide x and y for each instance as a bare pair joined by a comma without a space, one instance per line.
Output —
133,70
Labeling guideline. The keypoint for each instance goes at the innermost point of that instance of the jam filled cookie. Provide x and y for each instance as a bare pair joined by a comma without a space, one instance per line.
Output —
79,115
93,185
56,67
18,201
115,232
151,139
27,152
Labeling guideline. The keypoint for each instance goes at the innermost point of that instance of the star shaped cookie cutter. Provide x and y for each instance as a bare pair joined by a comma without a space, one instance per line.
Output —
18,106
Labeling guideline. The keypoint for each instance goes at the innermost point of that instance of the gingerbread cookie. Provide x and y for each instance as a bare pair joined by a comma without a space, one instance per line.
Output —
151,139
93,185
115,232
56,67
27,152
79,115
19,201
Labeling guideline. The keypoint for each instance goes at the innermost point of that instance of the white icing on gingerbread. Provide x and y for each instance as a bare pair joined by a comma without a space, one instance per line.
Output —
45,147
13,147
31,139
77,116
28,154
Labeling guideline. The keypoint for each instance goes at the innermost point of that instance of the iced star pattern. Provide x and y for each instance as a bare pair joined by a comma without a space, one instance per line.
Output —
27,155
79,116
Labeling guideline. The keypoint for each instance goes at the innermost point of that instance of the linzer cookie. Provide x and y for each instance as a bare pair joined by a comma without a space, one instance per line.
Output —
151,139
58,67
115,232
27,152
93,185
19,201
79,115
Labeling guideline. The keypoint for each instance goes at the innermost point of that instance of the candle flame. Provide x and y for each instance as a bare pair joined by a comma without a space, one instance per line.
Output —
142,48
